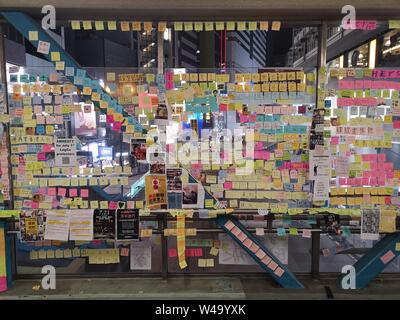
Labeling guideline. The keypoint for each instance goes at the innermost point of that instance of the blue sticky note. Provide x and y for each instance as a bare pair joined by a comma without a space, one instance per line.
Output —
78,80
69,71
81,73
281,232
40,129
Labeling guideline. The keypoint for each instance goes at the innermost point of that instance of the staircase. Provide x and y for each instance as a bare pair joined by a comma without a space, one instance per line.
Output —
260,254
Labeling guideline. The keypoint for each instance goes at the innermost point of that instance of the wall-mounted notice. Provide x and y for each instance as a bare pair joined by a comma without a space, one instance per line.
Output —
104,224
128,224
65,152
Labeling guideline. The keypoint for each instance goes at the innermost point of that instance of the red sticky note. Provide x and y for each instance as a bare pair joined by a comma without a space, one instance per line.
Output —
172,253
84,193
73,192
61,192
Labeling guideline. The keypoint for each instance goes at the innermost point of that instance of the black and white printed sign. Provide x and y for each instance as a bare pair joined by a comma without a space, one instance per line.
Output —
65,152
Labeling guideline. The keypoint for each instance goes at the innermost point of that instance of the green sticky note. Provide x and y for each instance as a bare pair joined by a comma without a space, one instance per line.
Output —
293,231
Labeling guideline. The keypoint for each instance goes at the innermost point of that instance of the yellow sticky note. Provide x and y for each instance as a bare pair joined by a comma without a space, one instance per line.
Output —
75,25
241,26
87,25
139,204
55,56
33,36
148,26
60,65
209,203
188,26
230,26
178,26
220,25
198,26
276,26
99,25
394,24
112,25
209,26
214,251
264,25
397,246
136,26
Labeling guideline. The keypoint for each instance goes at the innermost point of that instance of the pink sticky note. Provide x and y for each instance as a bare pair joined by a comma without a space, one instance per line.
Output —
61,192
388,256
124,252
84,193
109,118
73,192
41,156
335,140
117,126
112,205
227,185
3,284
42,191
47,148
342,181
51,191
199,252
34,205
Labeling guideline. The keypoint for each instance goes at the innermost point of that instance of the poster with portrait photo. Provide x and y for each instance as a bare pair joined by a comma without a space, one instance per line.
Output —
161,116
138,149
103,224
157,162
193,195
174,180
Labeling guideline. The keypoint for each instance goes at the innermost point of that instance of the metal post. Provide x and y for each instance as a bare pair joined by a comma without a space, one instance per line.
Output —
160,52
321,62
3,81
164,244
315,252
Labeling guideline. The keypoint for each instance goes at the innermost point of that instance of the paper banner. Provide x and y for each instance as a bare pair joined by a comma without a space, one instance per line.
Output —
180,240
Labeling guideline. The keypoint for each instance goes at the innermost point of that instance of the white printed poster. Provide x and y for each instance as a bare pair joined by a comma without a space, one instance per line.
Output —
57,225
65,152
81,225
141,255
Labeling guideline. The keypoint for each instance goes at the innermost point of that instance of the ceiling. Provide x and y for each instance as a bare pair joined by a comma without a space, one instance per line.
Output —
296,10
